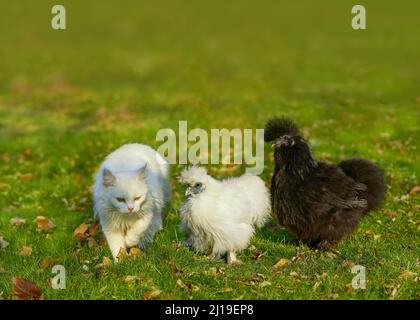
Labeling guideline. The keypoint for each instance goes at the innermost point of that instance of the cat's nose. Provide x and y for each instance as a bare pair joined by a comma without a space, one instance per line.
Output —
130,209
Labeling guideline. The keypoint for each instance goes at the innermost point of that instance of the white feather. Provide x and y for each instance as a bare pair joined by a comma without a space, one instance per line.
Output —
222,217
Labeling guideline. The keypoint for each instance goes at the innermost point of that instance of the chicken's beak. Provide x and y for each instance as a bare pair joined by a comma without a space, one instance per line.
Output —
281,142
188,192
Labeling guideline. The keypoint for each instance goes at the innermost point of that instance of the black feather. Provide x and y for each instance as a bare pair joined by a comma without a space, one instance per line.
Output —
277,127
320,203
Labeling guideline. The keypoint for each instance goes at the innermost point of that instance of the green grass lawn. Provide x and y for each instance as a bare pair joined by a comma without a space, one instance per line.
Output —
119,73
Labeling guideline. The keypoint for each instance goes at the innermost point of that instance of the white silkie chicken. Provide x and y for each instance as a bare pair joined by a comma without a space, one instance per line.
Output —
221,214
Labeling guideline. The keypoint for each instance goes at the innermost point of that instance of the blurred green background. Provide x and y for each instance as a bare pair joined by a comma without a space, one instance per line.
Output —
125,69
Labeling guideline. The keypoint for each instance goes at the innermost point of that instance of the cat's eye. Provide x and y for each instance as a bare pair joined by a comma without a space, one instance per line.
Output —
137,198
120,199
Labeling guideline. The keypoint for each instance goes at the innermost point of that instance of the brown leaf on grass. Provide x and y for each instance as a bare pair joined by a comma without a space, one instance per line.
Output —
330,255
73,207
91,242
264,284
121,254
258,255
86,232
3,243
79,233
93,229
135,252
414,191
25,289
26,177
83,201
150,295
187,285
316,285
17,221
25,251
47,262
392,290
392,214
174,269
407,275
106,261
181,284
281,263
128,279
347,263
44,224
212,271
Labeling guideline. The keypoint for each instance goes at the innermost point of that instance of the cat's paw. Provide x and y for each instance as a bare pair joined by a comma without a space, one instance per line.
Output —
131,242
188,243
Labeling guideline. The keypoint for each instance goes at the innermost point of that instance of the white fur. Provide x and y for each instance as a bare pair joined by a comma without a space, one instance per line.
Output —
134,170
223,215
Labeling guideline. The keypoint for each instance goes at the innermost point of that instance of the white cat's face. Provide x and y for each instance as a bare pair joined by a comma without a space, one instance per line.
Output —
126,191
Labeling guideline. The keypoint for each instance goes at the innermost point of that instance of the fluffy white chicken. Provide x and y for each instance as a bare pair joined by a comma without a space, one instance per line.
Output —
221,214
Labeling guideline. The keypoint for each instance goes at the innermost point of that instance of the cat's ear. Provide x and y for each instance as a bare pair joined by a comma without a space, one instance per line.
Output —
108,178
141,173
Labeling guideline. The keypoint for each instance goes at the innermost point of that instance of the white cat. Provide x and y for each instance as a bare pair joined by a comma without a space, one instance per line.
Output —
130,192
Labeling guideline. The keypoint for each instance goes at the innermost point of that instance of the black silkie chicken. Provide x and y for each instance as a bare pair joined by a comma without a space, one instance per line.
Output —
320,203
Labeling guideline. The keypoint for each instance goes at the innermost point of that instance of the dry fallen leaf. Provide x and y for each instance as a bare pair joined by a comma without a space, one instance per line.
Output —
26,177
258,255
187,285
174,269
316,285
265,284
25,251
281,263
181,283
121,254
392,290
48,262
414,191
17,221
134,252
3,243
106,261
212,271
79,233
91,242
392,214
128,279
347,263
44,224
149,295
407,275
93,229
25,289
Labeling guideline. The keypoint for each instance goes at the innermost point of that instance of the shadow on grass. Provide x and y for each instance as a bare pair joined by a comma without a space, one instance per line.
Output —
275,233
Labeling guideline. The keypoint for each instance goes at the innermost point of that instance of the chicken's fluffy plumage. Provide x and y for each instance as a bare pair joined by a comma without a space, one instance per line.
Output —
221,214
321,203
